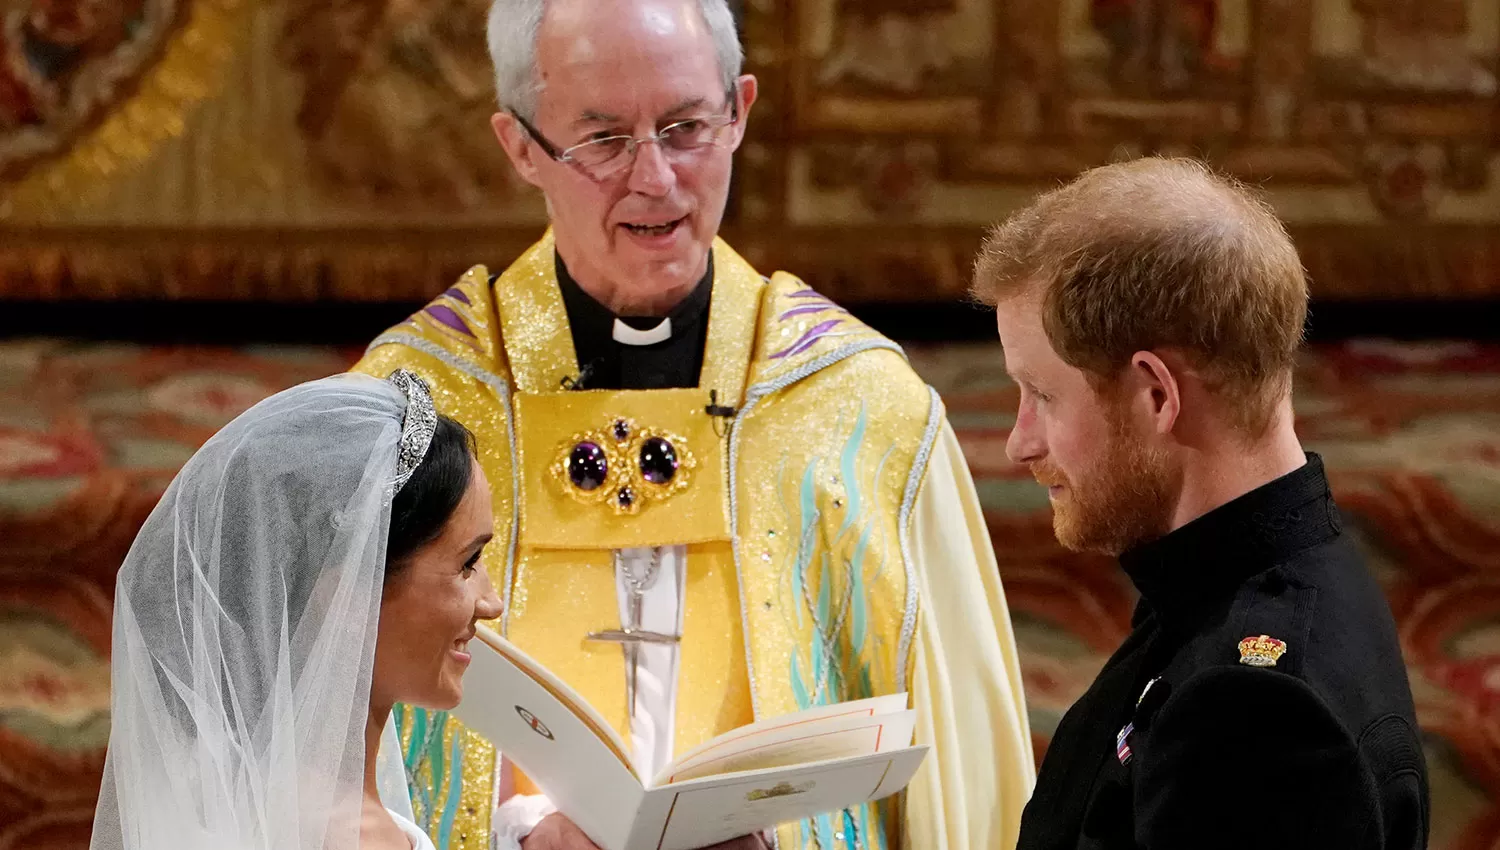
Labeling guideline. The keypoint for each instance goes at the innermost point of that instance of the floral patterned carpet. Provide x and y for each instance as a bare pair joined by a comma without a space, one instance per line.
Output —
90,434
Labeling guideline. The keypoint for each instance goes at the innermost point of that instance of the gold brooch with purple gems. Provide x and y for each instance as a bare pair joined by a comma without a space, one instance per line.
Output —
623,465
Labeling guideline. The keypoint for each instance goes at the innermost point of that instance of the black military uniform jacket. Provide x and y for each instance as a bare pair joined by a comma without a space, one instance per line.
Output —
1199,733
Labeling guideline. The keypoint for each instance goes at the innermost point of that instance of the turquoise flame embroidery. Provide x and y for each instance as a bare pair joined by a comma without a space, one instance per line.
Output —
827,582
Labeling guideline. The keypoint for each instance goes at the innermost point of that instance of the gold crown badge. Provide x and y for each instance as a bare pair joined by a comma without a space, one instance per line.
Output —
1261,651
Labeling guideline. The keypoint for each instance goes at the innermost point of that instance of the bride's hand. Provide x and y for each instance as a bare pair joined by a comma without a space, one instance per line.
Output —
744,842
556,832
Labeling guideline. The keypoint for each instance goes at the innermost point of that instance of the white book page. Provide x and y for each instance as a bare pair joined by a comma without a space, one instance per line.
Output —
551,741
559,689
706,811
750,736
803,743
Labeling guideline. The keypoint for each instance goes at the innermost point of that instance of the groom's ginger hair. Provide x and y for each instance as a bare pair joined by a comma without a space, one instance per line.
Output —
1159,254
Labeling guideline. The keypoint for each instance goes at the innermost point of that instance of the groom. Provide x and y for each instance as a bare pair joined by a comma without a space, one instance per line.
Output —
681,446
1151,314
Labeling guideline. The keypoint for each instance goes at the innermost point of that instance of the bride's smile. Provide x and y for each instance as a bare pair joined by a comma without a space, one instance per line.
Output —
433,598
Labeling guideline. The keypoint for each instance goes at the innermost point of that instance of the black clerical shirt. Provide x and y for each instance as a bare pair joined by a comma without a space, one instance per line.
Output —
1194,737
607,364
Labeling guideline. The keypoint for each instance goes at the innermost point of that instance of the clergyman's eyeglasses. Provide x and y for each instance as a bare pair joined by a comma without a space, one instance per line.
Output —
603,157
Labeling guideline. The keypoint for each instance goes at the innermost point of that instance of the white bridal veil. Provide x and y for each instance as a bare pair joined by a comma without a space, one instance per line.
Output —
244,629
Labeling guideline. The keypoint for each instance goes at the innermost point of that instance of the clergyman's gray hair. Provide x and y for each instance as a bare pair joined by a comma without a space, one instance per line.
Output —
513,28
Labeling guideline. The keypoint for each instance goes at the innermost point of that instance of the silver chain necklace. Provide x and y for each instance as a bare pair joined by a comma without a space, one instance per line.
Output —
638,584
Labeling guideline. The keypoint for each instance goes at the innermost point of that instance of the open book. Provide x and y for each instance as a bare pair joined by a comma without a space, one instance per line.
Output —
752,778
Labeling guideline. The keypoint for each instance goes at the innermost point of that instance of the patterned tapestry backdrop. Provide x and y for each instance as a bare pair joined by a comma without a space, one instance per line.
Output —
340,148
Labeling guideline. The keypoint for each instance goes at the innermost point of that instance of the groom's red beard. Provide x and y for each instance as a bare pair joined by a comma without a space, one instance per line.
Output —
1122,499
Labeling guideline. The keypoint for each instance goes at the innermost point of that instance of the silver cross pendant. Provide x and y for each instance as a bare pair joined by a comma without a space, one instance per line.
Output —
630,639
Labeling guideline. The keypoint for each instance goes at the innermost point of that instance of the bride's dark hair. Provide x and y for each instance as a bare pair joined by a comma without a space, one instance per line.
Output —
429,498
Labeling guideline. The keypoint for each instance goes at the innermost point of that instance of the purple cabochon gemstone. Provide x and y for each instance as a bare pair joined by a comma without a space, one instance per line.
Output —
658,461
588,467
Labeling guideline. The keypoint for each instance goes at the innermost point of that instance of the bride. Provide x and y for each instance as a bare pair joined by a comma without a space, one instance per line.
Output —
312,565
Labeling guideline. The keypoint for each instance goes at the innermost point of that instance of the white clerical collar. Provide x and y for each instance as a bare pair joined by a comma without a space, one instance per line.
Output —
626,335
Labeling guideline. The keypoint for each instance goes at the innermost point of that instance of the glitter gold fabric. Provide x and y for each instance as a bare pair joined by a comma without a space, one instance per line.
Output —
796,592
